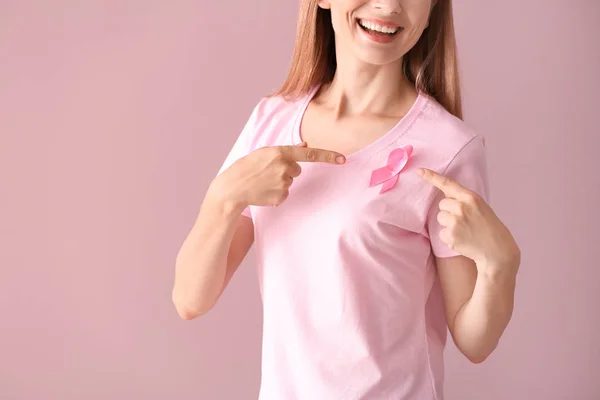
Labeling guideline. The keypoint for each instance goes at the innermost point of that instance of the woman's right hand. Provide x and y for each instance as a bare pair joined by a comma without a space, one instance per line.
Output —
263,177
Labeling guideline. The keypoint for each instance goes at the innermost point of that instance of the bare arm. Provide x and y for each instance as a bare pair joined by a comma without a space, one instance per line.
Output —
210,255
478,284
221,236
478,306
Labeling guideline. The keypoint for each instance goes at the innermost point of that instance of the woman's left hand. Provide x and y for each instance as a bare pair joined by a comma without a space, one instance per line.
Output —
471,228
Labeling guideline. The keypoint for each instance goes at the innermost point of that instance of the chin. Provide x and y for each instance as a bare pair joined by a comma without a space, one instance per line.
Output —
377,58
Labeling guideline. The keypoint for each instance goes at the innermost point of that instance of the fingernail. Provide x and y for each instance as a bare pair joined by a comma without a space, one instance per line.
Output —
420,172
340,159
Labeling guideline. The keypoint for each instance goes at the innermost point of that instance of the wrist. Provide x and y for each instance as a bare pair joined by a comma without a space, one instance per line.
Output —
503,265
498,273
220,195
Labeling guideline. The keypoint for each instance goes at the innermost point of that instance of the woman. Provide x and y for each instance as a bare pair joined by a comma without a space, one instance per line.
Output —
365,194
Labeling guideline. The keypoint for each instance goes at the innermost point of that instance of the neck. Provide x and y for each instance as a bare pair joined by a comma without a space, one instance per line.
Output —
359,88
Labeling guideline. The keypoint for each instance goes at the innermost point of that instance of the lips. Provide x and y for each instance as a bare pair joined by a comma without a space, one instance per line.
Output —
379,27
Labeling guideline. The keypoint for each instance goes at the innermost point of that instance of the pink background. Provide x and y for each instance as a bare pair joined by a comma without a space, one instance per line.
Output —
114,117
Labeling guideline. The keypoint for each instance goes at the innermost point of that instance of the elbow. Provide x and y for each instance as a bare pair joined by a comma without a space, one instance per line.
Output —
188,314
478,356
189,310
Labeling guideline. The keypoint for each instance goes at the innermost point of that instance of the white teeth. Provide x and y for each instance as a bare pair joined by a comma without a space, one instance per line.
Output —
374,27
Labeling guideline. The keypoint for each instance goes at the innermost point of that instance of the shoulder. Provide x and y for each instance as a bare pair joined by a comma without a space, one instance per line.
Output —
445,137
271,121
456,149
274,107
445,126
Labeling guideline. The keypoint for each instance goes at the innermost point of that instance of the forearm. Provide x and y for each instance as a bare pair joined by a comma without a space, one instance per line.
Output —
481,321
201,263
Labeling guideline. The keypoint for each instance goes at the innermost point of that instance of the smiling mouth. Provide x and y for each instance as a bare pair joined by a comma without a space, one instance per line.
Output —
376,29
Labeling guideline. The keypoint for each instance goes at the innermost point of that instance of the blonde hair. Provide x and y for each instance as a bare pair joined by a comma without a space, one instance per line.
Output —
431,65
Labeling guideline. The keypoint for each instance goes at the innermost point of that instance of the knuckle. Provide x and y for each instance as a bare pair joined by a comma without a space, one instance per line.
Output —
282,196
472,198
284,183
311,155
440,217
282,172
275,201
275,153
452,222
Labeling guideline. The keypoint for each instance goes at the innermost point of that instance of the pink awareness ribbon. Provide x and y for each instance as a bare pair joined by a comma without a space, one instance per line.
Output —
388,174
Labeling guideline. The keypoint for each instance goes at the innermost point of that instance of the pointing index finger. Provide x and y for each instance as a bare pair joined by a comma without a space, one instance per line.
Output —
308,154
448,186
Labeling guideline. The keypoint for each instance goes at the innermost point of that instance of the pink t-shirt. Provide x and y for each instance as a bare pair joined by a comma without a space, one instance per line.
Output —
352,305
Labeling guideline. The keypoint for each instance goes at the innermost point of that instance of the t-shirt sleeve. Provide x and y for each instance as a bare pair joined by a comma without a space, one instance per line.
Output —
469,168
243,146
